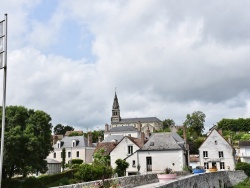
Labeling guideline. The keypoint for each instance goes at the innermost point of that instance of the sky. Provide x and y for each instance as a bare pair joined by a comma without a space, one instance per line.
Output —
163,58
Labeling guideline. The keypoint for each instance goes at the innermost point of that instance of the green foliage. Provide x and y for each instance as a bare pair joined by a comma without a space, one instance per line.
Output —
95,135
121,167
195,123
194,144
63,158
234,125
244,184
243,166
27,141
77,161
62,129
167,123
75,134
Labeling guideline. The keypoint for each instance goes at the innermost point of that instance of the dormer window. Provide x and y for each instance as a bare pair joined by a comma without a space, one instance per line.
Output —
215,142
74,143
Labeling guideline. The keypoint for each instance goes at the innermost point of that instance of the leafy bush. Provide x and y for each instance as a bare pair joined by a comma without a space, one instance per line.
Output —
77,161
243,166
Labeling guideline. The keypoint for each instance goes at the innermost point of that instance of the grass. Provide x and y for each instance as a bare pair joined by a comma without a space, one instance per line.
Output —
244,184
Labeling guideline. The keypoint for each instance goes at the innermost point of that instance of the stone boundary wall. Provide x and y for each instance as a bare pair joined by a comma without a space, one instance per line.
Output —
222,179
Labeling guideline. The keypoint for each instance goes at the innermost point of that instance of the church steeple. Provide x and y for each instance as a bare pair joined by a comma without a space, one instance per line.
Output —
115,110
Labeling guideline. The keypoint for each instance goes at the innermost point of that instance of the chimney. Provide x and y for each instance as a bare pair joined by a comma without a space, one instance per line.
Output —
139,126
220,131
185,135
99,139
55,139
148,133
89,139
106,127
142,138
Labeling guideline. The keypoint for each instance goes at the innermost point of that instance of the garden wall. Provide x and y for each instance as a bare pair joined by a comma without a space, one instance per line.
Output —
220,179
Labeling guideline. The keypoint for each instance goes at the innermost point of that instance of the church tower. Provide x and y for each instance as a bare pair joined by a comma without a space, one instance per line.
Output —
115,111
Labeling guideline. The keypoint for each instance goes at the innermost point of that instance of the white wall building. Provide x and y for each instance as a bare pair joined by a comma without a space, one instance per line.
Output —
215,151
244,152
77,147
162,150
127,146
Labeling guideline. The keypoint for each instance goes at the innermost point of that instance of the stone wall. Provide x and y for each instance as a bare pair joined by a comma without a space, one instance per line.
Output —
220,179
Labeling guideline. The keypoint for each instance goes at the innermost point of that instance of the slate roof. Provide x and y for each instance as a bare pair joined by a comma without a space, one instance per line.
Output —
67,142
123,129
136,120
52,161
113,137
244,143
164,141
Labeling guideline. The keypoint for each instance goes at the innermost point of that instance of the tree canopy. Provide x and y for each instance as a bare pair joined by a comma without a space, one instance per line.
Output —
235,125
27,141
62,129
195,123
167,123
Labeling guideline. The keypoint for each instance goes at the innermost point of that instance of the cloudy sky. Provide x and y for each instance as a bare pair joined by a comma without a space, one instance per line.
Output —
165,58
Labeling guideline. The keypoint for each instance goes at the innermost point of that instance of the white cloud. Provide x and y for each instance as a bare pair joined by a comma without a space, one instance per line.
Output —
167,59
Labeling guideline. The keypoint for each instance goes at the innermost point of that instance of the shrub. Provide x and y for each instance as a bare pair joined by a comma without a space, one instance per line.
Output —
243,166
77,161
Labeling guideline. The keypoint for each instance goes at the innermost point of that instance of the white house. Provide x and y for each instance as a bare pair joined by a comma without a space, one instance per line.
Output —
194,161
123,130
127,146
216,152
162,150
77,147
244,152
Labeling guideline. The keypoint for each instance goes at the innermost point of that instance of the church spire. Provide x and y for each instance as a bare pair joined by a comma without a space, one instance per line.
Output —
115,110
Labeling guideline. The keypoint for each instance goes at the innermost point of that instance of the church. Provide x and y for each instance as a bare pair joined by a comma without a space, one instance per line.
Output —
146,123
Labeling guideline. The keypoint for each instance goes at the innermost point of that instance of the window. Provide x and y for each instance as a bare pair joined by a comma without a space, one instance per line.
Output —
54,154
69,154
61,154
215,142
73,144
206,166
130,150
77,154
149,164
205,154
222,165
58,145
221,155
133,163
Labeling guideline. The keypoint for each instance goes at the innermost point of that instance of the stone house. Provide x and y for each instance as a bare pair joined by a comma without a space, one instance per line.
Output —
77,147
244,151
216,152
162,150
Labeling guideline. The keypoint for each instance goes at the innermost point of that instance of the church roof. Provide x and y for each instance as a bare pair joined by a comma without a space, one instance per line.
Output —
164,141
123,129
136,120
115,103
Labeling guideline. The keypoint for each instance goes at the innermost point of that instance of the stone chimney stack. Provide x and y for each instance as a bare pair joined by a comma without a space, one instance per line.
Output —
142,138
106,127
139,126
220,131
55,139
89,139
185,135
148,133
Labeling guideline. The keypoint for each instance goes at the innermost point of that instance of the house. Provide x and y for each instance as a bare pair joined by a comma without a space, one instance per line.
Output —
127,146
151,123
162,150
77,147
216,152
124,131
244,151
194,161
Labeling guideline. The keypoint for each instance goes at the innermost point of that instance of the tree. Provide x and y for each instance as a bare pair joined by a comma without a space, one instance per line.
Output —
195,123
121,167
167,123
61,129
27,141
63,158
